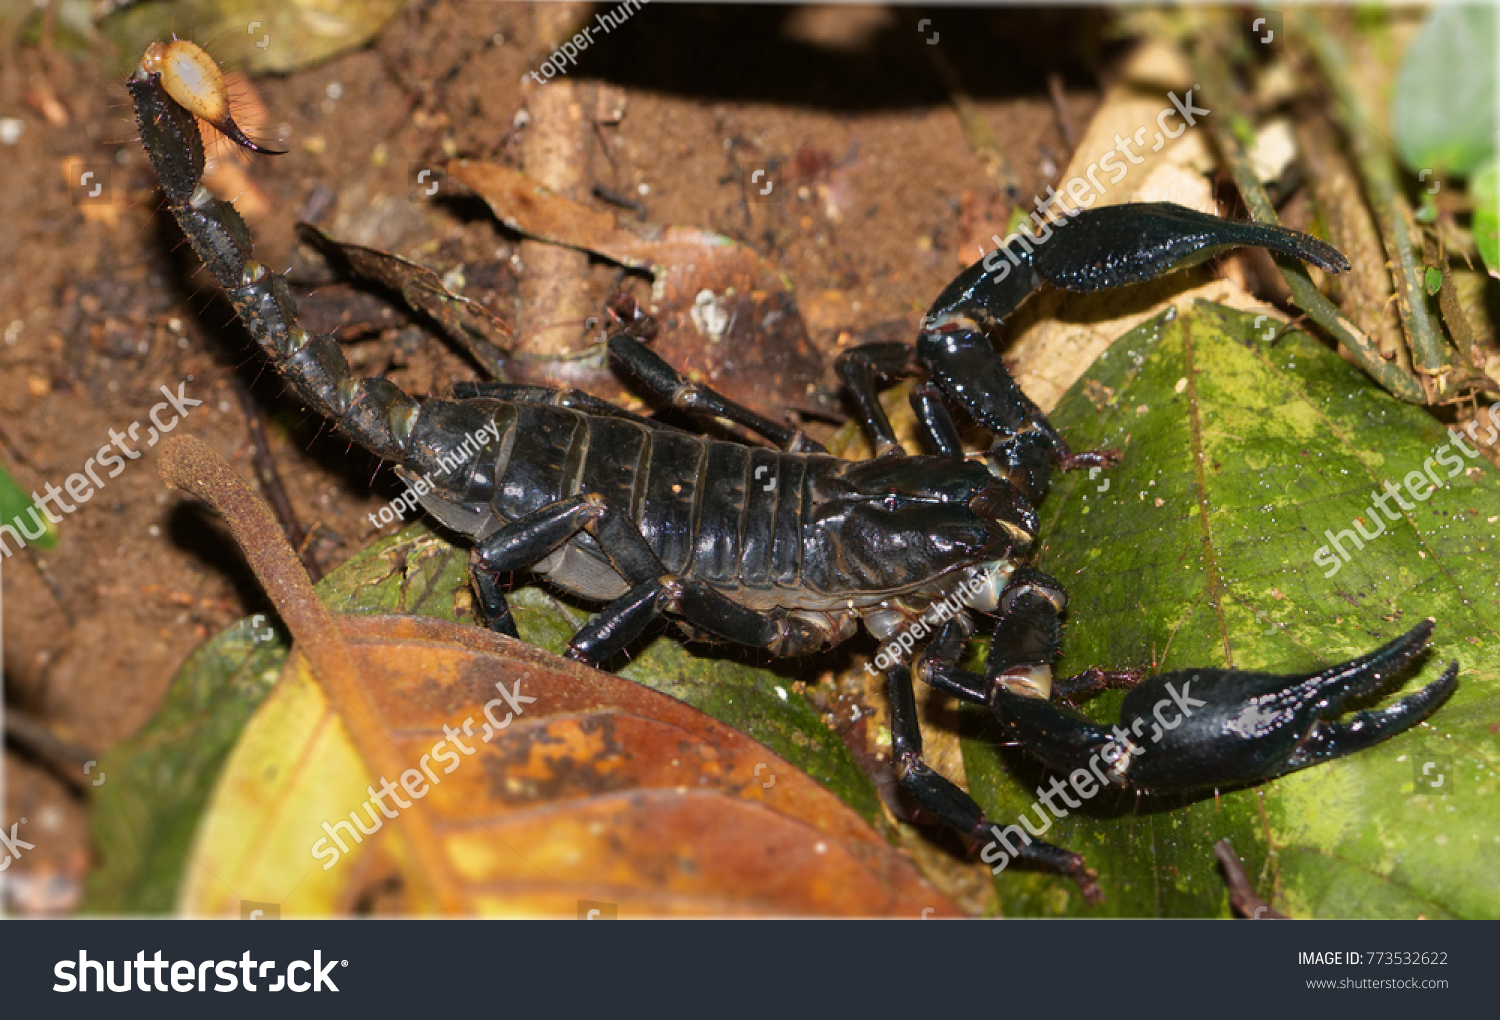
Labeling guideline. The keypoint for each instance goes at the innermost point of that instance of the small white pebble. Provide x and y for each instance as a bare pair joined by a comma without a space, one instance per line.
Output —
643,188
11,129
1181,385
781,692
335,90
154,531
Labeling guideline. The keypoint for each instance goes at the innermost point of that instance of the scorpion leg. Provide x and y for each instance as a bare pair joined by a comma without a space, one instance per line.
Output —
519,544
956,808
860,368
655,592
623,620
493,607
695,398
935,421
1025,643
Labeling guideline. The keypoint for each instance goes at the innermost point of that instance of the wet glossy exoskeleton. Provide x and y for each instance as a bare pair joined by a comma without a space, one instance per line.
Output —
790,549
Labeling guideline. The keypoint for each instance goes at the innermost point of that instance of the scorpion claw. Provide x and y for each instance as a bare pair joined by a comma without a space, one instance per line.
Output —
1146,239
1201,728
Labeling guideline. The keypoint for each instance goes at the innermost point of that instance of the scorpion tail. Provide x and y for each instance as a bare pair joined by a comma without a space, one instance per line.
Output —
372,411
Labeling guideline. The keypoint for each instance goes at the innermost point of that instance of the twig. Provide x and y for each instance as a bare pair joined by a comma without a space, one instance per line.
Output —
23,731
270,481
1060,107
1430,348
635,205
1242,895
50,579
1211,68
1365,293
556,153
977,130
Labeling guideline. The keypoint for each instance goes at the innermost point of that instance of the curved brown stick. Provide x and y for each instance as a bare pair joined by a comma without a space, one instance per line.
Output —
190,465
1242,895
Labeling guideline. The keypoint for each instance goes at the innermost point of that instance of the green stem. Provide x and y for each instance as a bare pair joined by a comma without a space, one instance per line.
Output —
1216,88
1392,212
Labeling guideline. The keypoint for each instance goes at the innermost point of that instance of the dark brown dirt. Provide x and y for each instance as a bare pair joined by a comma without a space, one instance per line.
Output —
102,309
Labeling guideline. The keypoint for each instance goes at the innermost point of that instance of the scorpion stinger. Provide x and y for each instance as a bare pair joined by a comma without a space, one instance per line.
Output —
787,548
189,75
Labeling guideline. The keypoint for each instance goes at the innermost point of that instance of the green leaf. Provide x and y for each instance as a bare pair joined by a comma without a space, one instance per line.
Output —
16,502
1242,460
246,36
1484,187
1433,280
160,779
1443,108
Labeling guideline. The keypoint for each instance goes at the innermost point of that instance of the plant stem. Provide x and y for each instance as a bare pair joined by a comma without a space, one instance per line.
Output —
1211,69
1430,349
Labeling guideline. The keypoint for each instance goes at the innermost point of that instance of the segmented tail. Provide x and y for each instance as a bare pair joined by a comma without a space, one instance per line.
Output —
374,412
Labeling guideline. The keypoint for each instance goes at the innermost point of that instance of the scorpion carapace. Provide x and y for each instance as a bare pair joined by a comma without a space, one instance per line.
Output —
789,549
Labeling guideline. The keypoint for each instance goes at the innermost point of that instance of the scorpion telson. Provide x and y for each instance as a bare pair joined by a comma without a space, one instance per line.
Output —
654,521
189,75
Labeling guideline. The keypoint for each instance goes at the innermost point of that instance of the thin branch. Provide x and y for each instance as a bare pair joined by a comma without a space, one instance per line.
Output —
1430,349
1211,68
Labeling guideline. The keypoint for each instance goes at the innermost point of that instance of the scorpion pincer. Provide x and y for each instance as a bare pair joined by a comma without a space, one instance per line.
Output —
788,548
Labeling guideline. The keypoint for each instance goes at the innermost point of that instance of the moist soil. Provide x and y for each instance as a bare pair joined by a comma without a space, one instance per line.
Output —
102,305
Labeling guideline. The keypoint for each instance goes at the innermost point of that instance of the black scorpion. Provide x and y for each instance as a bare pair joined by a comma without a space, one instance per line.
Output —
788,549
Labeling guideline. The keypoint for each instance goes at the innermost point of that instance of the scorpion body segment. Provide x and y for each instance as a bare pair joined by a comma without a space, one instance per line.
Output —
810,541
789,549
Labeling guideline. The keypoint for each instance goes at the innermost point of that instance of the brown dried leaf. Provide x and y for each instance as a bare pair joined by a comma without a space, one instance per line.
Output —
599,790
483,334
727,316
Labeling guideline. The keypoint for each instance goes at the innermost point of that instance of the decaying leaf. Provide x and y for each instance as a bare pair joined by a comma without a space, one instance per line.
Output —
485,336
599,790
157,834
258,39
726,315
1211,545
